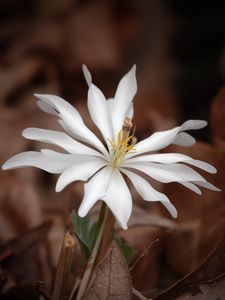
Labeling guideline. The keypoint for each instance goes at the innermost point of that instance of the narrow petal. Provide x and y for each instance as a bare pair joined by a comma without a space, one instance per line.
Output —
130,112
208,186
60,139
118,198
165,158
148,193
162,139
46,108
72,120
193,124
87,75
98,110
167,172
156,141
125,93
79,171
94,190
184,139
53,163
202,165
191,187
168,158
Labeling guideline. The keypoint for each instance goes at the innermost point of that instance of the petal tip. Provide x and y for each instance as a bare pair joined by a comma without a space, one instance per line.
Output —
37,95
25,132
124,226
81,213
4,166
87,74
58,188
59,184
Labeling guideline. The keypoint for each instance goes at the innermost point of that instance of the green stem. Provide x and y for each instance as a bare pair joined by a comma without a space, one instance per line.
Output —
91,262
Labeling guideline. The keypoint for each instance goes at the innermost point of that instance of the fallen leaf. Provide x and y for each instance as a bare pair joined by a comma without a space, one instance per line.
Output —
203,281
111,278
22,292
24,257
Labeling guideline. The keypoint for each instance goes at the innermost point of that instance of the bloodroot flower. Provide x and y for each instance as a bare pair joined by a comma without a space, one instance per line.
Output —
103,165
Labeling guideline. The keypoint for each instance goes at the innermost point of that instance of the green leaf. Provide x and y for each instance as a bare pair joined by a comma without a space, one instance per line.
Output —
80,227
127,249
84,233
128,252
93,233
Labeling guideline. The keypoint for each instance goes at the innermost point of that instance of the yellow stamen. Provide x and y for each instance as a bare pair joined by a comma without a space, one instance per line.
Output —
124,144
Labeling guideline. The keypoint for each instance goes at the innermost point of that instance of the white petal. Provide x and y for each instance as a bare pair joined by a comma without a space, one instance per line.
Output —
191,186
148,193
193,124
130,112
202,165
110,103
87,75
167,172
56,163
79,171
167,158
162,139
46,108
184,139
208,186
94,190
156,141
98,110
125,93
118,198
160,158
72,120
60,139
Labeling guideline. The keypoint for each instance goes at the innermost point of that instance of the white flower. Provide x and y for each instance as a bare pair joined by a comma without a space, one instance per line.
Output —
102,166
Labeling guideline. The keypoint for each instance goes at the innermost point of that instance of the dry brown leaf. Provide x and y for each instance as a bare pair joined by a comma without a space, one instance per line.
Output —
24,257
111,278
200,217
140,238
22,292
142,218
21,207
217,116
92,26
205,281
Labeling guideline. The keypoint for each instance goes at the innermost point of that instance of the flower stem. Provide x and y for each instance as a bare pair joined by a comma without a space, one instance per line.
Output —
102,241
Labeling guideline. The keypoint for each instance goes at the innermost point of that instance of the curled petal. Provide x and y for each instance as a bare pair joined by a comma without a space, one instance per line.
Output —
162,139
80,171
60,139
167,172
125,93
87,75
49,161
72,120
118,198
94,190
193,124
148,193
208,186
98,110
168,158
191,187
184,139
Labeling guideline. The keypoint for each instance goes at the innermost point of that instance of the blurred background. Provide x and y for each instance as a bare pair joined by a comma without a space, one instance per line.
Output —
179,50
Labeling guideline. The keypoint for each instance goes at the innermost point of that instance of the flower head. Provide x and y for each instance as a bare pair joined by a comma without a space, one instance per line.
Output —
103,165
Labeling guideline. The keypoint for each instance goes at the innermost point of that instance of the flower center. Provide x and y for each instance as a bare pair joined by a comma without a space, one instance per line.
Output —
124,144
